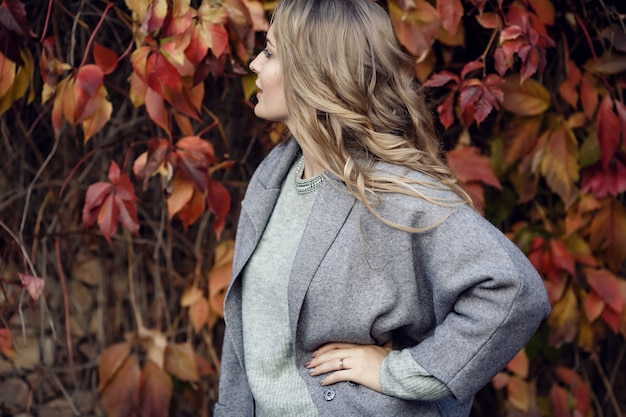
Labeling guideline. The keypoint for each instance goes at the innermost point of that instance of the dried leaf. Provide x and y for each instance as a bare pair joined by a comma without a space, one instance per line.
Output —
34,285
560,402
417,25
608,233
6,343
593,306
155,391
180,361
451,12
193,210
588,97
529,98
182,191
518,393
559,164
219,203
489,20
199,314
609,130
519,364
563,319
111,360
119,397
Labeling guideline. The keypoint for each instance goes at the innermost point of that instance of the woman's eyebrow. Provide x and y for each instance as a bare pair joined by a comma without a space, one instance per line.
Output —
269,42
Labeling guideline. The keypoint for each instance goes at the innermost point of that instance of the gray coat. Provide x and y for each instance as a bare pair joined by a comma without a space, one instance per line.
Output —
461,296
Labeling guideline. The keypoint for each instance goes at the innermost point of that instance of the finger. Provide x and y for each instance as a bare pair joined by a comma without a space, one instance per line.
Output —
338,376
337,363
329,347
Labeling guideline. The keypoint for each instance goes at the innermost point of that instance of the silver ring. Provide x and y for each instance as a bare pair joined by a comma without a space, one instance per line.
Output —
341,363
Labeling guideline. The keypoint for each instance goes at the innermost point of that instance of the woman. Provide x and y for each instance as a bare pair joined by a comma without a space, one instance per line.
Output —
364,284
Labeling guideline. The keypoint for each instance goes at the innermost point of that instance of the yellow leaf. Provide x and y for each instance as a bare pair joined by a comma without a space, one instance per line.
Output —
524,99
96,122
559,164
7,74
199,314
180,361
564,319
191,296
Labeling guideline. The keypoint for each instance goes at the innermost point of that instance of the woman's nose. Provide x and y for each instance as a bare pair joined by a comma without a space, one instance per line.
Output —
254,64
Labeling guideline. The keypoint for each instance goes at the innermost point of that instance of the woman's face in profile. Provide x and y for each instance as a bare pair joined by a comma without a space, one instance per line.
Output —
271,103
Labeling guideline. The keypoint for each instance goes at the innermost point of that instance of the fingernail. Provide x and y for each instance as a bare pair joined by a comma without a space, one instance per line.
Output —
322,381
307,363
311,370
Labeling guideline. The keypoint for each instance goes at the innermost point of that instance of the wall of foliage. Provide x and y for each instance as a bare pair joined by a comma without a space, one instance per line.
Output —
128,138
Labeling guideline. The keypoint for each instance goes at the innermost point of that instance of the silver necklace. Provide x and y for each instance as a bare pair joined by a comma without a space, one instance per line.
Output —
308,185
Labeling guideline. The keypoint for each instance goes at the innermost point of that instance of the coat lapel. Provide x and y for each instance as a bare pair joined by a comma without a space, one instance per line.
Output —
330,211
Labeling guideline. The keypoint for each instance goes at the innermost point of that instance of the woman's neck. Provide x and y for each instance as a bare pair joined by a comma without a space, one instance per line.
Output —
311,168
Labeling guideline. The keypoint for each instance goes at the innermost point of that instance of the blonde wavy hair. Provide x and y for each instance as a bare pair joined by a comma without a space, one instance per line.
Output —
353,99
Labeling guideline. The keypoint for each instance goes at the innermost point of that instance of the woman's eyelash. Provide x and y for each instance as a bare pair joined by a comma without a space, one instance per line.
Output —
267,53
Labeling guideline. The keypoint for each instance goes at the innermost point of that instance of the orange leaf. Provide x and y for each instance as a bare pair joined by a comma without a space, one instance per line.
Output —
569,93
518,393
470,165
593,306
561,256
94,123
7,74
199,314
560,403
608,233
519,364
521,137
155,391
6,343
119,397
563,319
111,359
588,97
544,10
500,380
489,20
559,164
182,192
219,276
180,361
529,98
193,210
219,204
607,286
417,25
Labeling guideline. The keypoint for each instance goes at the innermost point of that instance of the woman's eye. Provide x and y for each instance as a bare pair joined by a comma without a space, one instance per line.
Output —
267,53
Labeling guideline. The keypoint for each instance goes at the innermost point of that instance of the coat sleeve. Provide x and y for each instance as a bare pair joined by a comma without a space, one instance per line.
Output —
488,301
235,397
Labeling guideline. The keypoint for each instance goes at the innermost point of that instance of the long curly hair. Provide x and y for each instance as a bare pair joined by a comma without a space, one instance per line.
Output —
353,99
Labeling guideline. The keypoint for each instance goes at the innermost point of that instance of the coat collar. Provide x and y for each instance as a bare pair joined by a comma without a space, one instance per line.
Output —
329,212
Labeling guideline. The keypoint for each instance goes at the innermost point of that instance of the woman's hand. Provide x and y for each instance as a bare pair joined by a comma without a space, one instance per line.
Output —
360,364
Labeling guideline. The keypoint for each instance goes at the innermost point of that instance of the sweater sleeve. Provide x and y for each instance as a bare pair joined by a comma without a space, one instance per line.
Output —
402,377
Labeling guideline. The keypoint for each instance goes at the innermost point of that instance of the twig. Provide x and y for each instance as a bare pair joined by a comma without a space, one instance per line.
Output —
65,394
66,303
607,385
45,26
93,34
131,279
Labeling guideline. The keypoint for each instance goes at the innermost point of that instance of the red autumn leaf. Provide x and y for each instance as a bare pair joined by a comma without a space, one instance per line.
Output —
6,343
417,25
518,393
580,390
609,128
489,20
180,361
478,98
471,66
563,259
560,401
219,203
155,391
544,9
593,306
569,93
603,182
34,285
621,113
607,286
439,79
182,192
155,106
588,97
162,76
193,157
155,16
500,380
451,12
469,164
156,160
120,397
519,364
111,360
204,368
446,111
106,59
612,318
14,28
521,137
109,203
608,233
89,78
